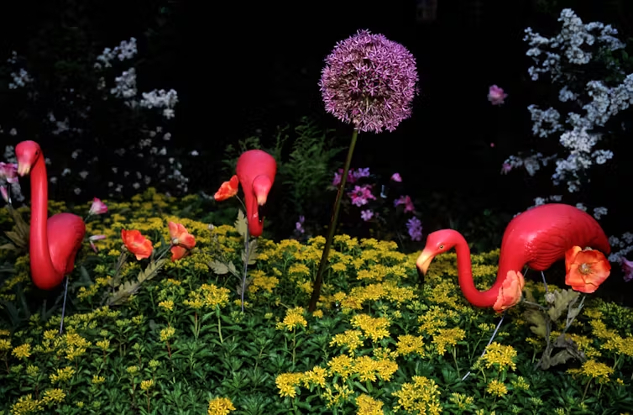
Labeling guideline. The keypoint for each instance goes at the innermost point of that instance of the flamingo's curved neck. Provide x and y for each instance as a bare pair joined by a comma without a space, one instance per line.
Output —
42,269
465,278
255,225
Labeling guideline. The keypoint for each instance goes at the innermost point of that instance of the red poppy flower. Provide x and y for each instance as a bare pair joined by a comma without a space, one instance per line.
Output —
586,269
137,244
227,190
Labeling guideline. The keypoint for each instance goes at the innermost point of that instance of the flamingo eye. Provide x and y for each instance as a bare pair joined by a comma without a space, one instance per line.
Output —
441,246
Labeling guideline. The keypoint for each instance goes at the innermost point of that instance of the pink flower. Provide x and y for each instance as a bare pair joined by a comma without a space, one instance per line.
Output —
95,238
496,95
396,177
97,207
366,215
406,201
505,168
360,195
337,177
8,172
627,268
414,226
5,193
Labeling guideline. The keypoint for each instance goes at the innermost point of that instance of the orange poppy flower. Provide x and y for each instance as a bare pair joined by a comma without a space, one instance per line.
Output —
137,244
227,190
586,269
182,240
510,292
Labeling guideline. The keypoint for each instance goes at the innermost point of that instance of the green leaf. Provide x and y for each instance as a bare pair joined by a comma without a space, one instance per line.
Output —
123,293
537,320
562,300
252,252
218,267
8,247
152,270
241,224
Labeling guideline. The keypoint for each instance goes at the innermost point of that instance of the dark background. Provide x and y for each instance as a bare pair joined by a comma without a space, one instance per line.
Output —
243,68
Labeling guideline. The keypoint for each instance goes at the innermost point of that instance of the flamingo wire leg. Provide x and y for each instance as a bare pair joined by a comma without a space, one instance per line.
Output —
544,282
61,325
489,341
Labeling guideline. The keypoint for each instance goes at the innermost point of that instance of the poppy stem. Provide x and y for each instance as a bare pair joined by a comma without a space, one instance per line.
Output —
318,282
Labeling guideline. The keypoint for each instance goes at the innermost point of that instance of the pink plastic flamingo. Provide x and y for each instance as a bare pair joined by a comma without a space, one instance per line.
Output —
256,171
54,241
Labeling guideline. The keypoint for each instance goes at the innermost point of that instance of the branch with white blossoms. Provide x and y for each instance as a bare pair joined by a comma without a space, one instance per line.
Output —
591,103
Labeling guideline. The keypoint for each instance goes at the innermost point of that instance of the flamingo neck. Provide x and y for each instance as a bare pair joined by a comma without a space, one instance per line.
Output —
255,225
43,272
465,278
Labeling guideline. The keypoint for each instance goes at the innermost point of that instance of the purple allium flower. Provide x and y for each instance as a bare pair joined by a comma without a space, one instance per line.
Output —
361,173
369,81
414,226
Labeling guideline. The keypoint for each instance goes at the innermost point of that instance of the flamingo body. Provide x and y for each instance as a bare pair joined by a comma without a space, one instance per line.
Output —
53,242
536,238
256,172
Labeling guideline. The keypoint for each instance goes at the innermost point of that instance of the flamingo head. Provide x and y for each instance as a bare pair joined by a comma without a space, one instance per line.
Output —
27,153
261,186
437,243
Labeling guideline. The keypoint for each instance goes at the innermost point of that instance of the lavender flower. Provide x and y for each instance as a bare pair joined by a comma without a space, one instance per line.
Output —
369,81
414,226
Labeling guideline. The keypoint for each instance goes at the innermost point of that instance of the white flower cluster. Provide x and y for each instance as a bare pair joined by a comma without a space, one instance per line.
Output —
165,100
126,50
20,78
576,44
125,85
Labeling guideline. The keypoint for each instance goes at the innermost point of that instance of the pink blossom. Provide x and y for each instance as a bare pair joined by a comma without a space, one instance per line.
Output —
496,95
414,226
361,194
406,201
366,215
396,177
95,238
337,177
5,193
97,207
8,172
492,145
627,268
505,168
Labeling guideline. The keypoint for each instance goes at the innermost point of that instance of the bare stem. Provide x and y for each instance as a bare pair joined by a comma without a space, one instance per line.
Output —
318,282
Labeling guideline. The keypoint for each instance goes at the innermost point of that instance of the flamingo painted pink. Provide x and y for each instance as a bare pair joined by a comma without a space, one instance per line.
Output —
536,238
256,172
54,241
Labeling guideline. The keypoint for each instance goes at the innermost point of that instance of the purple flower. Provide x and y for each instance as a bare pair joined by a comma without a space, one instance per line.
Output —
505,168
358,173
299,225
361,194
396,177
8,172
496,95
414,226
627,268
369,81
366,215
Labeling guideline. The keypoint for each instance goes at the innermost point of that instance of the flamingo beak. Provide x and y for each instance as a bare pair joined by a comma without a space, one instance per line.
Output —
424,260
23,168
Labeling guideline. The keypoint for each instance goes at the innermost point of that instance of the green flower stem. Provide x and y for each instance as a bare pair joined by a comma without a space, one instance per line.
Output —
217,313
318,282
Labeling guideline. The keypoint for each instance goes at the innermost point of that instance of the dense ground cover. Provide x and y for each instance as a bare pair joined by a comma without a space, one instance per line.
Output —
379,341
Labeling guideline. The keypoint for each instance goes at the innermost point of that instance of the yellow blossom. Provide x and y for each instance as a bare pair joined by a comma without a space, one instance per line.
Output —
147,384
447,337
167,305
294,318
22,352
374,328
422,396
350,338
368,405
500,356
167,333
286,382
496,388
62,375
220,406
408,344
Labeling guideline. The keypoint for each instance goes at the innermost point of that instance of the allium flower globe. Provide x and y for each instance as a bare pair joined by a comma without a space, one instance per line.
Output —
370,81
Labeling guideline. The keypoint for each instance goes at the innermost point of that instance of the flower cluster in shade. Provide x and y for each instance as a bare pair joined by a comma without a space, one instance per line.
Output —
369,81
362,194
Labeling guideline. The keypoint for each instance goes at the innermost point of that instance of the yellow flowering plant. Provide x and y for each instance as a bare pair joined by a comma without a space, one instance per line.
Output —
377,343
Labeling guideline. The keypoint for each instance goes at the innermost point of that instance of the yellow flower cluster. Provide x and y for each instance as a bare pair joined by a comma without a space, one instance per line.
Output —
447,337
500,356
409,344
294,318
422,396
374,328
496,388
220,406
368,405
593,370
208,296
